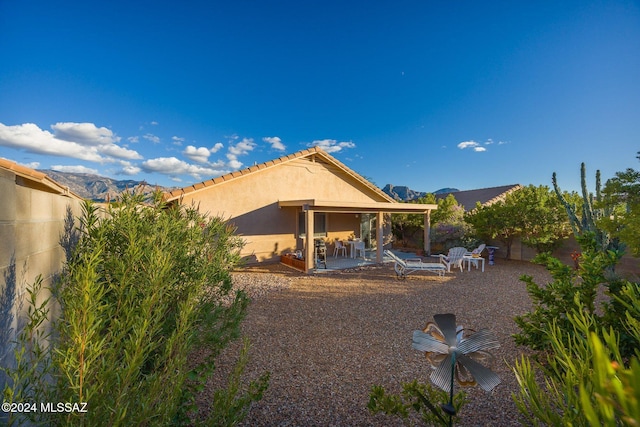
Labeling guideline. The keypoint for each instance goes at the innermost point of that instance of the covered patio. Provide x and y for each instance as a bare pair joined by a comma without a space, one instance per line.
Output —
310,207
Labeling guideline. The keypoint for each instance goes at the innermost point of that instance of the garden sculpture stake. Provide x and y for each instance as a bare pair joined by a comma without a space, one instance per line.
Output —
454,355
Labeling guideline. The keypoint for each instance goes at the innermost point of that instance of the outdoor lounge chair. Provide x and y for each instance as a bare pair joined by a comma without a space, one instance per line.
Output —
454,258
404,267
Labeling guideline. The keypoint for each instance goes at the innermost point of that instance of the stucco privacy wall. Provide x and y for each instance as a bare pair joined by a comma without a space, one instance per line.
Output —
251,202
32,217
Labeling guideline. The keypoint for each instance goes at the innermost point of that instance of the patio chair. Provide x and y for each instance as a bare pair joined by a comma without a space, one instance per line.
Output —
404,267
340,247
454,258
359,248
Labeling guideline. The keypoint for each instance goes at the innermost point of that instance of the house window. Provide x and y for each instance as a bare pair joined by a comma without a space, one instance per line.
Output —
319,224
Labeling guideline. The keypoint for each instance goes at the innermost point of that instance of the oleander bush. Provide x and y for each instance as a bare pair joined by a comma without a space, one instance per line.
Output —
145,286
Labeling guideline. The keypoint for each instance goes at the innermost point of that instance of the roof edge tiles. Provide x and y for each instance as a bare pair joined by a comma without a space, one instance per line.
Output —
309,152
37,177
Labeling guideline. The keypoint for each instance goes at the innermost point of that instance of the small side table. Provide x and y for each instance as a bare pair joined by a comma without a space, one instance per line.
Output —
492,250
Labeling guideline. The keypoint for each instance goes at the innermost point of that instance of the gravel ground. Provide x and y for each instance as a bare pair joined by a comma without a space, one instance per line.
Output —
327,338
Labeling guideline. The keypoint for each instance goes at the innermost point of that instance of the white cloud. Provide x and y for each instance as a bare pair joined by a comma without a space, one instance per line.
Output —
235,163
243,147
217,147
173,167
275,141
32,165
177,140
82,141
479,149
200,155
154,123
128,169
133,139
151,137
468,144
74,169
84,133
331,145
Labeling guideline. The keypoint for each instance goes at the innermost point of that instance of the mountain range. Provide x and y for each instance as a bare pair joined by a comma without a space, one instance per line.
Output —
96,187
403,193
100,188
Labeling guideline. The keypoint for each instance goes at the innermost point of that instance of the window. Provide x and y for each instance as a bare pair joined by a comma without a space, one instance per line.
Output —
319,224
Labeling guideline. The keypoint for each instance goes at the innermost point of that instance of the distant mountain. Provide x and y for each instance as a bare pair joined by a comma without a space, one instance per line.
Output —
96,187
405,194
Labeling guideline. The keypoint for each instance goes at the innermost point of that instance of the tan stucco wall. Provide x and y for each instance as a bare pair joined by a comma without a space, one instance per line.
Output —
251,203
31,223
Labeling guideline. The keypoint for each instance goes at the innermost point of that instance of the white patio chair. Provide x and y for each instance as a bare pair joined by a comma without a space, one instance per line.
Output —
359,248
454,258
340,247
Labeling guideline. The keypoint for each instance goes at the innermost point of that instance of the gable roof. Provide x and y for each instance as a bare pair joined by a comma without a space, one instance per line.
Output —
36,180
486,196
307,153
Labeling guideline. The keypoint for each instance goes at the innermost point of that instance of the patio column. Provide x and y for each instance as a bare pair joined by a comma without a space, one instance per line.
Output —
427,232
379,236
308,241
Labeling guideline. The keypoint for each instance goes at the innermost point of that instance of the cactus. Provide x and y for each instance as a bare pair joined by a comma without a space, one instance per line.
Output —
592,212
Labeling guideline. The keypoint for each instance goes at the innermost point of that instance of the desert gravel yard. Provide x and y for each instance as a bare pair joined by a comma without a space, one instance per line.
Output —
327,338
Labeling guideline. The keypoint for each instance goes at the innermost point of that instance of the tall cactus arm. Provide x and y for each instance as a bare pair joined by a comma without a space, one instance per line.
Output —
571,210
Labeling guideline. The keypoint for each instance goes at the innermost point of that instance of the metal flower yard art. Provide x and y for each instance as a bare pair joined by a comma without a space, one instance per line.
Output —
453,355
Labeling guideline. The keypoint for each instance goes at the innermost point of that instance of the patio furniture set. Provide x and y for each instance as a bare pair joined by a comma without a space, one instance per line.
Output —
456,258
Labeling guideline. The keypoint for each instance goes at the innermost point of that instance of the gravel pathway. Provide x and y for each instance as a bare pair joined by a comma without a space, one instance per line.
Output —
327,338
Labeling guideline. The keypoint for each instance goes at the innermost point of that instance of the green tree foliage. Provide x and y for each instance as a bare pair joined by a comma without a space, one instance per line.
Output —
543,220
409,227
145,287
533,213
499,221
621,196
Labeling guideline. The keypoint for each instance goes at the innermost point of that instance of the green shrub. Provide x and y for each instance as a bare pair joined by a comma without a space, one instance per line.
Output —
146,285
420,399
586,382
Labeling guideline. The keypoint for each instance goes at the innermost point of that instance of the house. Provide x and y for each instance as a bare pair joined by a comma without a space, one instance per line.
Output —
485,196
273,204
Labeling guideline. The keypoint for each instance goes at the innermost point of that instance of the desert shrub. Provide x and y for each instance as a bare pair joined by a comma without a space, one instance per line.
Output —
146,285
416,399
569,287
586,381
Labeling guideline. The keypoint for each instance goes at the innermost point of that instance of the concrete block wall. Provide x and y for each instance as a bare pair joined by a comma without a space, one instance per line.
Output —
32,220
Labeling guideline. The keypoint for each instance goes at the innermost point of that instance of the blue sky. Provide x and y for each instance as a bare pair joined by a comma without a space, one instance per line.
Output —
427,94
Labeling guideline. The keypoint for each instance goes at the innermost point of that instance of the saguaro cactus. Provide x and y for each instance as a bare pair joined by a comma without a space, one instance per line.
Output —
592,211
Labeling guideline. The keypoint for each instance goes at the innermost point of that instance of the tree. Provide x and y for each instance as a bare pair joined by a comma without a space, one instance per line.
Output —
543,220
621,195
406,226
498,221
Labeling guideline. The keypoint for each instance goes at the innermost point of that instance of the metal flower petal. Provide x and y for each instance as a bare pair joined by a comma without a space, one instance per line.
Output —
444,343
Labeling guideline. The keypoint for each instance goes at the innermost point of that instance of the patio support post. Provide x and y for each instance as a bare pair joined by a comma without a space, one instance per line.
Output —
427,232
379,236
308,243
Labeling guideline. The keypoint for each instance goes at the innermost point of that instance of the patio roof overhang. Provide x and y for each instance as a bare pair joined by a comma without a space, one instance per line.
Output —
379,208
357,207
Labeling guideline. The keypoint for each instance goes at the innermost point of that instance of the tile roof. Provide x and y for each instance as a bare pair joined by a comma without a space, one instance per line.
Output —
315,151
486,196
37,177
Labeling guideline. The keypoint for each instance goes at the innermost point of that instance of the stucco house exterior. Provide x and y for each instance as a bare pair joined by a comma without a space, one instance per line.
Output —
272,204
